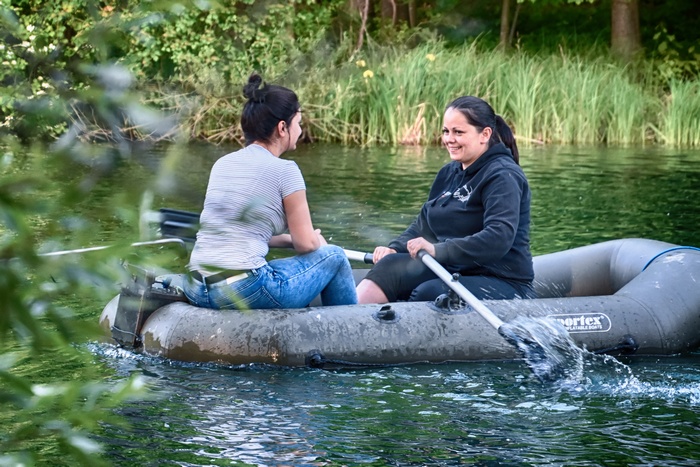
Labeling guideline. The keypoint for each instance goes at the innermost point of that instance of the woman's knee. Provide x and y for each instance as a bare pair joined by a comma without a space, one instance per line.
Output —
428,291
338,257
333,249
369,292
330,256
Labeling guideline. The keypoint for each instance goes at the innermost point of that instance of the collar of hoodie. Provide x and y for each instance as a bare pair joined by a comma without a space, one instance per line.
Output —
494,152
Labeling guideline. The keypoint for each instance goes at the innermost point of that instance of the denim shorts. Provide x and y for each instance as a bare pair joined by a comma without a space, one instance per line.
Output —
404,278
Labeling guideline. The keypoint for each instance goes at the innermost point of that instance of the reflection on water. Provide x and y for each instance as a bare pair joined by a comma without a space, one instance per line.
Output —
361,197
644,412
588,195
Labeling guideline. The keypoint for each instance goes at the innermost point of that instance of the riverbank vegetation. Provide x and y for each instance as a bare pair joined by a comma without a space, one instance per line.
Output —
388,87
398,97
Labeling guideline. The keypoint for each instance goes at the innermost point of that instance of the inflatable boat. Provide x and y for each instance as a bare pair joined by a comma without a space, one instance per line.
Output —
631,296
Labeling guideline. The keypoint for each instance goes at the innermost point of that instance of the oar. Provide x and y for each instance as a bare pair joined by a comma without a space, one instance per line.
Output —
359,256
461,290
546,346
104,247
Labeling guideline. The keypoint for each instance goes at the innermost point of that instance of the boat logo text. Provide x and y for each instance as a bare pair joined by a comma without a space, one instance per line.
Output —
583,322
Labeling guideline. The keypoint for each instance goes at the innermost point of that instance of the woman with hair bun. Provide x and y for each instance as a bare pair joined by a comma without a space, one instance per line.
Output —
253,198
476,221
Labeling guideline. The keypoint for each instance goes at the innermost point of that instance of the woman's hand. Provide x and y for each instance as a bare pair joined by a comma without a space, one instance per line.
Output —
380,252
417,244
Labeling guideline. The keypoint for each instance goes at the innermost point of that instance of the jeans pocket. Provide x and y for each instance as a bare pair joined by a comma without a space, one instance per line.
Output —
196,294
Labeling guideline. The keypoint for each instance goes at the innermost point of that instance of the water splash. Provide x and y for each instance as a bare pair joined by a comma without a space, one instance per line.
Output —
547,348
555,359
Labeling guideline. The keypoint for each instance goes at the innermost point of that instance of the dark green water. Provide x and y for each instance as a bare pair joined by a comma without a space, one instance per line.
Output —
580,195
645,413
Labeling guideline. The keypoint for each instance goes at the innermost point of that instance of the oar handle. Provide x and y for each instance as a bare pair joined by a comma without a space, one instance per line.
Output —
354,255
459,289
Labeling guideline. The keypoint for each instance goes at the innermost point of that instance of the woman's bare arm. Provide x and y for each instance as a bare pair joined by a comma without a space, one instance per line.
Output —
304,238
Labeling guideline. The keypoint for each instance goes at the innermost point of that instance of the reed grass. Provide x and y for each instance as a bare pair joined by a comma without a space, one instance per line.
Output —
680,125
629,112
394,96
546,99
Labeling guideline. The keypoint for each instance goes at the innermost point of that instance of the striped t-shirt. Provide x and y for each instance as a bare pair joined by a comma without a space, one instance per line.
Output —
243,209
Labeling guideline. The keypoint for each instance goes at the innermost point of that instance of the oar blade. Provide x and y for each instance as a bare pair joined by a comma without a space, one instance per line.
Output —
546,347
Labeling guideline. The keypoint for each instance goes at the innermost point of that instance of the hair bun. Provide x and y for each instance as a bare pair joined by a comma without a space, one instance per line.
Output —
251,90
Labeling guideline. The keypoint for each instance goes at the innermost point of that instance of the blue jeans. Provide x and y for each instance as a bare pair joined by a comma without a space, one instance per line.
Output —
283,283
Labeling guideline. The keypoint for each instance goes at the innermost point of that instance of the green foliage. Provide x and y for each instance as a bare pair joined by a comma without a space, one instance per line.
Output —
673,59
193,58
43,41
194,44
545,3
227,39
207,52
52,421
52,56
44,418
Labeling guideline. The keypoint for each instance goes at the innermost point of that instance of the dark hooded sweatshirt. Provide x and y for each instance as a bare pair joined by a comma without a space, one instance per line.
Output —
478,218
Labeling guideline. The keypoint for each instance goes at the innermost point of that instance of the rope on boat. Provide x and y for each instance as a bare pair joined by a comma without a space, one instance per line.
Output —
315,359
668,250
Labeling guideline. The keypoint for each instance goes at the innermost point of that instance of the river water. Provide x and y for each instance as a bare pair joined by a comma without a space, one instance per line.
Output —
635,412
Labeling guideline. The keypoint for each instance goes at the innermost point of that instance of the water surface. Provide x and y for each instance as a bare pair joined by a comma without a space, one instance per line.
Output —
644,412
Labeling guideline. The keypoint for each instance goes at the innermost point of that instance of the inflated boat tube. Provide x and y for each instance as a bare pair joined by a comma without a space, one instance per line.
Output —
624,296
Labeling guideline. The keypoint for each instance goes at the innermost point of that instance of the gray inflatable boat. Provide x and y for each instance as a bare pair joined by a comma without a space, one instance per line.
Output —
630,296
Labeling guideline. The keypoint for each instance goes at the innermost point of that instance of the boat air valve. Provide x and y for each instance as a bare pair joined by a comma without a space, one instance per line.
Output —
386,313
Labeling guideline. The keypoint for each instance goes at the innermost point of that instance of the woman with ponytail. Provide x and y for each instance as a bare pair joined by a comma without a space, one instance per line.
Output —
256,200
476,221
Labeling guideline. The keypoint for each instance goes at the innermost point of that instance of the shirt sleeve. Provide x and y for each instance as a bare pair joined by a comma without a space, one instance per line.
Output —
291,180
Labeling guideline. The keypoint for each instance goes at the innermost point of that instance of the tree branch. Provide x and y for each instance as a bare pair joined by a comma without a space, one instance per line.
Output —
364,12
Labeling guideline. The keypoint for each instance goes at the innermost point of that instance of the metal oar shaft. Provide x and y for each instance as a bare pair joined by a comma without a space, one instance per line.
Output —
104,247
460,290
354,255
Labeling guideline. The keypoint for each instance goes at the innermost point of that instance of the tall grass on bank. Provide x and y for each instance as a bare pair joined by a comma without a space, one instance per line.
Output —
397,96
558,98
680,125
